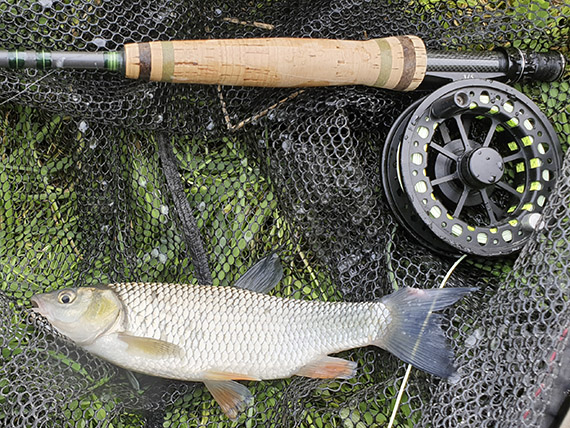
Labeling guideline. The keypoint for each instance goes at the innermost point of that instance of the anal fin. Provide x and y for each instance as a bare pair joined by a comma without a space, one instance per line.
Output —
232,396
328,368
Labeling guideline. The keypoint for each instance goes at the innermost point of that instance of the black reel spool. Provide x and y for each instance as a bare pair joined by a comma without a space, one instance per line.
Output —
469,167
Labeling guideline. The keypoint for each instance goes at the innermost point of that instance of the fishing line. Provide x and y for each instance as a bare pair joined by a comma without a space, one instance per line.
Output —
451,270
391,273
28,86
409,369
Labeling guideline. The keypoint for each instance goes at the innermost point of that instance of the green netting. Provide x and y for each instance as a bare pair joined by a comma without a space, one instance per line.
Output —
84,200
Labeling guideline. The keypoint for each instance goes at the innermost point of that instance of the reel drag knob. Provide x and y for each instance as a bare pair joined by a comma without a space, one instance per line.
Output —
481,167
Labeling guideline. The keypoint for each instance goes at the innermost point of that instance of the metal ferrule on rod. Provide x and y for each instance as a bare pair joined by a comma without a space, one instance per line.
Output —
15,60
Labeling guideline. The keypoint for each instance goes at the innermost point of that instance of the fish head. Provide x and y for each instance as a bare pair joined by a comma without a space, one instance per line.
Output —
82,314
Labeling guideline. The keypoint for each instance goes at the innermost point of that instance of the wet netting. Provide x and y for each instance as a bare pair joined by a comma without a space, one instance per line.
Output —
105,179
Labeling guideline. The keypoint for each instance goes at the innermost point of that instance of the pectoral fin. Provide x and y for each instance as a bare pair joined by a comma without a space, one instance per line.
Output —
131,377
327,368
232,397
150,348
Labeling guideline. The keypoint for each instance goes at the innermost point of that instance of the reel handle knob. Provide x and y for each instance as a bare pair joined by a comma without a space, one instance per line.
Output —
450,105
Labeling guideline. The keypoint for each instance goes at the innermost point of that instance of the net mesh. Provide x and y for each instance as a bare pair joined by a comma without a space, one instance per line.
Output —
83,200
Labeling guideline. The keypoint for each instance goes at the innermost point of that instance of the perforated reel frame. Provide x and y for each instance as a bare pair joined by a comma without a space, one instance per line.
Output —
471,162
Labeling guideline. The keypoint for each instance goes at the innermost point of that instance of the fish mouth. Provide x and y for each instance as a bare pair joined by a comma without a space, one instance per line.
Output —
36,305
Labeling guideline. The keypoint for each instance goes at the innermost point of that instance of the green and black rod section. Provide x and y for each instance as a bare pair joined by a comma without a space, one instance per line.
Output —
398,63
112,61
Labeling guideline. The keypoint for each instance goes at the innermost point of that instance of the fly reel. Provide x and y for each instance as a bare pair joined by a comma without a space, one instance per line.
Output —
469,167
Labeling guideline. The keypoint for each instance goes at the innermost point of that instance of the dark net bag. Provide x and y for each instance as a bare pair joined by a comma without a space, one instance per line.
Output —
105,179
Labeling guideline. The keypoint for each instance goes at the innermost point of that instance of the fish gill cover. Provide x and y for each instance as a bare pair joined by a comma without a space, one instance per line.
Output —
84,201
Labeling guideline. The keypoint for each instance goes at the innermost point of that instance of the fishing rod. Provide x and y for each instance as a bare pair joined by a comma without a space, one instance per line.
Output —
399,63
465,169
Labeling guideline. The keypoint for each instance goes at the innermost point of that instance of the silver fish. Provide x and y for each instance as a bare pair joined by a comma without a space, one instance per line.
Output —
218,335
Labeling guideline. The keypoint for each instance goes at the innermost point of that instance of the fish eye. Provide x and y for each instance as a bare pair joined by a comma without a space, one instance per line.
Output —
66,296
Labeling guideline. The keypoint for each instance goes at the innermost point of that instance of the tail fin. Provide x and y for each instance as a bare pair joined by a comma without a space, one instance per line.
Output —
414,334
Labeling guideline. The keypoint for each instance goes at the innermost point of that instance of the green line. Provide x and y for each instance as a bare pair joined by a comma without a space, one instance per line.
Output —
113,61
14,61
43,60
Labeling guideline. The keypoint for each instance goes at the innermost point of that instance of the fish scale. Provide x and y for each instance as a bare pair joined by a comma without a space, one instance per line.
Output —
239,331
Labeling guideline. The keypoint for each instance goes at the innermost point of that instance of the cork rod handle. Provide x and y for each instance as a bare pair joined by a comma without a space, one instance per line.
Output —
397,63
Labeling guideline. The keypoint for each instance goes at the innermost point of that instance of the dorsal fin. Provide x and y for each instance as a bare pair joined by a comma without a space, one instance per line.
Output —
263,276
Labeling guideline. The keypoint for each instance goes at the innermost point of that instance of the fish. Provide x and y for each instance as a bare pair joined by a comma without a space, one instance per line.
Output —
220,335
